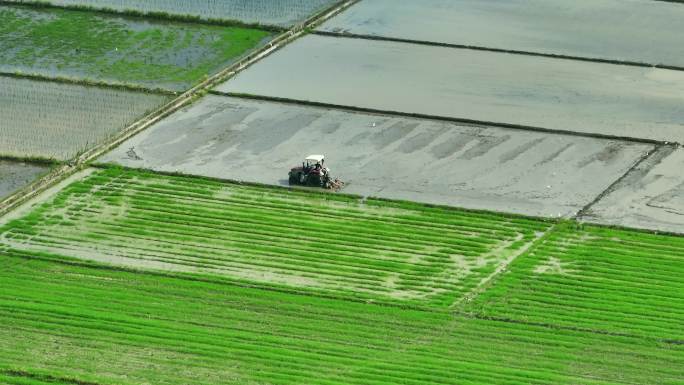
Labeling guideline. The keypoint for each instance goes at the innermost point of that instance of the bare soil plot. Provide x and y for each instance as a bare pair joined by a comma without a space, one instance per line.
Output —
315,243
15,175
281,13
555,94
151,53
384,156
650,197
57,121
636,30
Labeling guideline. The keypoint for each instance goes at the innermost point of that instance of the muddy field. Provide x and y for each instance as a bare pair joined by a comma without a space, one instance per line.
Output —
650,197
15,175
636,30
485,86
390,157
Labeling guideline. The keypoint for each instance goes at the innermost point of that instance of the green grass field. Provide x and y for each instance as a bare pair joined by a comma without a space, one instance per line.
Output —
84,45
616,281
374,250
128,277
99,325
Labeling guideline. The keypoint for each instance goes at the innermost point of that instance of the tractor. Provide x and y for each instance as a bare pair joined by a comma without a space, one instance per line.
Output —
312,173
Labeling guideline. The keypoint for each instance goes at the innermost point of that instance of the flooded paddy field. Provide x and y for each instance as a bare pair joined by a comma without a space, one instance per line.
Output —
57,121
554,94
14,175
650,197
85,45
271,12
384,156
636,30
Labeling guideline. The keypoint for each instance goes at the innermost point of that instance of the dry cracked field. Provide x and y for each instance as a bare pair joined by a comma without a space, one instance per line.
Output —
512,211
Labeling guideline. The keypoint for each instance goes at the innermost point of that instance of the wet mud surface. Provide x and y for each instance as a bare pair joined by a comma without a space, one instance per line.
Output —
556,94
15,175
392,157
650,197
637,30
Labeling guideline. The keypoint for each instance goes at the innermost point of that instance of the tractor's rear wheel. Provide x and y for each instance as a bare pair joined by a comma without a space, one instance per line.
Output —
314,181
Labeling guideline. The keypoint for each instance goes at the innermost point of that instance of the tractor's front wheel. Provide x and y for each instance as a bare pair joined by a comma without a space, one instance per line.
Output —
293,179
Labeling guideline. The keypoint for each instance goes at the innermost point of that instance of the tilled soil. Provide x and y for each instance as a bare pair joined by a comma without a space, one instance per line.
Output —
391,157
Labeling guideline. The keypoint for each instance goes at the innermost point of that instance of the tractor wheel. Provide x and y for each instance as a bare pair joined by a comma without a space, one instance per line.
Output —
314,181
293,179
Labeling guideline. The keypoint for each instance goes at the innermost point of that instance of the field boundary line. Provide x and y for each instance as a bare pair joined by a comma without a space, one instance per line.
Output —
667,148
498,50
462,121
487,281
184,99
84,82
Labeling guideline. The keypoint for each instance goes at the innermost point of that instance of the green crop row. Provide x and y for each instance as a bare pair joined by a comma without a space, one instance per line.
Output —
97,325
385,251
595,278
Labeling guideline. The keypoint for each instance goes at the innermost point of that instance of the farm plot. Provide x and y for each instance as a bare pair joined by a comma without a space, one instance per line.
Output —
549,93
319,243
54,42
102,326
282,13
384,156
15,175
603,29
56,121
650,197
596,278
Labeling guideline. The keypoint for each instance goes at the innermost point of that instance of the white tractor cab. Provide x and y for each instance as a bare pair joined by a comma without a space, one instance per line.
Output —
312,173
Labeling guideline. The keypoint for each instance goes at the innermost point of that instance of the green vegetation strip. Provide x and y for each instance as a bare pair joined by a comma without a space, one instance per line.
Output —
84,45
595,278
375,250
101,326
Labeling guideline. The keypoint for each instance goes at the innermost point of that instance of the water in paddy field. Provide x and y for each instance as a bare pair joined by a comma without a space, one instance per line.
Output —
637,30
151,53
15,175
555,94
56,120
272,12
